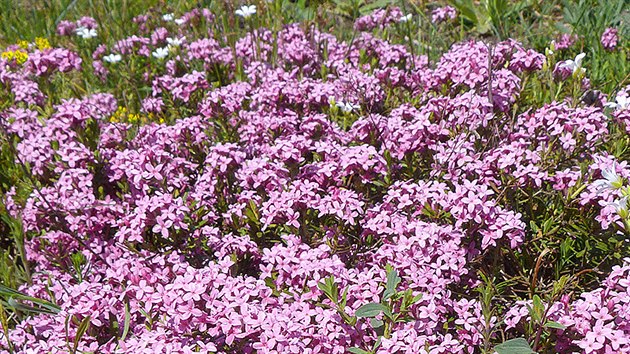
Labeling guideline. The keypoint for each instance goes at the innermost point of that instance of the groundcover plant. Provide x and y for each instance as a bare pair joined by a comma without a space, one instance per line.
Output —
315,177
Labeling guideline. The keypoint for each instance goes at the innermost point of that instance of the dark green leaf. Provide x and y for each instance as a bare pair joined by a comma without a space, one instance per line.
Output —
392,282
556,325
127,322
376,323
370,310
514,346
83,327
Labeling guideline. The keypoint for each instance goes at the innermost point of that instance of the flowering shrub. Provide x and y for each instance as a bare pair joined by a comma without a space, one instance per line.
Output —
292,192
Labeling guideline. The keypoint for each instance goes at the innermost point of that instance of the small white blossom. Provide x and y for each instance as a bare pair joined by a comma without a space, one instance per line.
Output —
347,107
175,42
160,53
180,21
86,33
246,11
168,17
622,101
575,65
611,180
112,58
621,206
405,18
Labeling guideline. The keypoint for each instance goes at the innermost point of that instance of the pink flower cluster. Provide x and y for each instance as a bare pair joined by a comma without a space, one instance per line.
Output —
380,18
442,14
597,322
67,28
610,38
211,234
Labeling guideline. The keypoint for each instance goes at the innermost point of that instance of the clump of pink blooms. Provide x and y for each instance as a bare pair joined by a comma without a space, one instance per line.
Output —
380,18
68,28
211,233
565,41
444,13
610,38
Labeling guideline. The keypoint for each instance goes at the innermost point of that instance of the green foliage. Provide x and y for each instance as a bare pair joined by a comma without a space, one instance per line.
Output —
514,346
490,16
83,327
14,300
353,9
331,290
394,305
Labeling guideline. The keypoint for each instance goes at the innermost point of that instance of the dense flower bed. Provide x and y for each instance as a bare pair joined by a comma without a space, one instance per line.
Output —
218,230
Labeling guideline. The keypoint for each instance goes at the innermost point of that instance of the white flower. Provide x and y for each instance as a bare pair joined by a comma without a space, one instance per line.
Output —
621,206
85,33
160,53
548,52
168,17
611,180
175,42
246,11
112,58
180,21
622,102
575,65
405,18
347,107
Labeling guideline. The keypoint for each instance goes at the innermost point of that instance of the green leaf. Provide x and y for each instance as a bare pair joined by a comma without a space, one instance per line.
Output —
392,282
370,310
83,327
356,350
376,323
514,346
556,325
329,287
533,226
466,9
365,9
344,298
13,294
376,345
15,305
127,322
538,310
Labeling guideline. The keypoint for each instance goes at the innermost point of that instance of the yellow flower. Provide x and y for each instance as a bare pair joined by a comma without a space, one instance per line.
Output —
19,56
122,115
42,43
23,44
119,115
133,118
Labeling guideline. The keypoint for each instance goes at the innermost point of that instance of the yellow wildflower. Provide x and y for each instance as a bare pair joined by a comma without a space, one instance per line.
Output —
19,56
119,115
133,118
42,43
122,115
